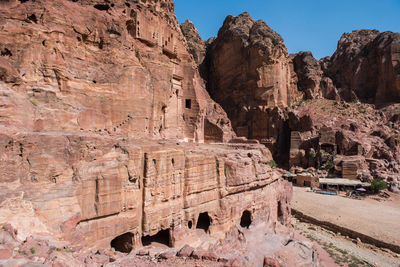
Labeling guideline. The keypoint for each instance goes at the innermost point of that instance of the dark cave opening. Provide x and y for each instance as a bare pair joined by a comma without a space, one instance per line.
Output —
245,220
280,212
101,7
123,243
162,237
203,222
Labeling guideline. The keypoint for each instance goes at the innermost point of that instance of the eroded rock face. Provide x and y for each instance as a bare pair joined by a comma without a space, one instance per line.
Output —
355,137
197,46
103,116
367,62
108,68
249,69
311,80
309,74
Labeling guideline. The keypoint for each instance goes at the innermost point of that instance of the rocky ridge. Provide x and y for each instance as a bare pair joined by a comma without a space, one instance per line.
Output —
367,62
364,69
109,139
196,45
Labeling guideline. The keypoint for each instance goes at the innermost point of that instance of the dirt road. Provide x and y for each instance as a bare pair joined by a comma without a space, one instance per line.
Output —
380,220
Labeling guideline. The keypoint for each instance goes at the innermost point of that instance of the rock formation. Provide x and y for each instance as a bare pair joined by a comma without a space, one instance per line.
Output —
311,79
249,72
367,63
264,81
365,66
196,45
346,133
168,100
103,120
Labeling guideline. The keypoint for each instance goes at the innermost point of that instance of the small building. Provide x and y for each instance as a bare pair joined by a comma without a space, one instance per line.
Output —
307,180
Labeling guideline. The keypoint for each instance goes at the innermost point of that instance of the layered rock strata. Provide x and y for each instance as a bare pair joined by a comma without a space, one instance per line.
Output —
86,66
103,119
364,67
91,189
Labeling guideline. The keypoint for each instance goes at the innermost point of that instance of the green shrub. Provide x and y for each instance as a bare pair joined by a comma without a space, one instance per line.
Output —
33,250
330,165
313,155
272,163
275,41
34,102
378,185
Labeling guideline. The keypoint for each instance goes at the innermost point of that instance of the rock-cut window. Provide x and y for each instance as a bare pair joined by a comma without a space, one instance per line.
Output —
188,103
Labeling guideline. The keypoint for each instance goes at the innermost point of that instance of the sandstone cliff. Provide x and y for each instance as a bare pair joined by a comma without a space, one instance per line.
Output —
196,45
311,80
365,66
101,71
103,120
366,62
249,69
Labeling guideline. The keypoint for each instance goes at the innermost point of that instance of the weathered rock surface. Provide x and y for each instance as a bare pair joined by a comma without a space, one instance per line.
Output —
367,63
309,74
98,70
351,140
196,45
247,55
311,79
103,120
249,70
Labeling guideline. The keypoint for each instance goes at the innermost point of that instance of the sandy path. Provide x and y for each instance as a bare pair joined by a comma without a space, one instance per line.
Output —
380,220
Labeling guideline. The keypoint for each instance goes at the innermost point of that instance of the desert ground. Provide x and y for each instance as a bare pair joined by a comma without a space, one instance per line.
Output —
371,216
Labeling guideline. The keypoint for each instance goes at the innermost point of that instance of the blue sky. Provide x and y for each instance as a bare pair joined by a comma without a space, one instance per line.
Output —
305,25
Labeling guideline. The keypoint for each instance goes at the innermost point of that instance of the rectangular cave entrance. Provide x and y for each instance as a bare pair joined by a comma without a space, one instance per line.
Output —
203,222
162,239
188,103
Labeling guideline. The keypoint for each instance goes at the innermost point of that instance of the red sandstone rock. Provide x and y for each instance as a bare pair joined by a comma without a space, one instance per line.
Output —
167,255
269,262
309,74
100,259
186,251
211,256
198,254
196,45
5,254
88,90
360,56
311,79
249,71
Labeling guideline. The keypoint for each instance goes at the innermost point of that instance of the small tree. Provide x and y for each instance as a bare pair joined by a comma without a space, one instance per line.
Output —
378,185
